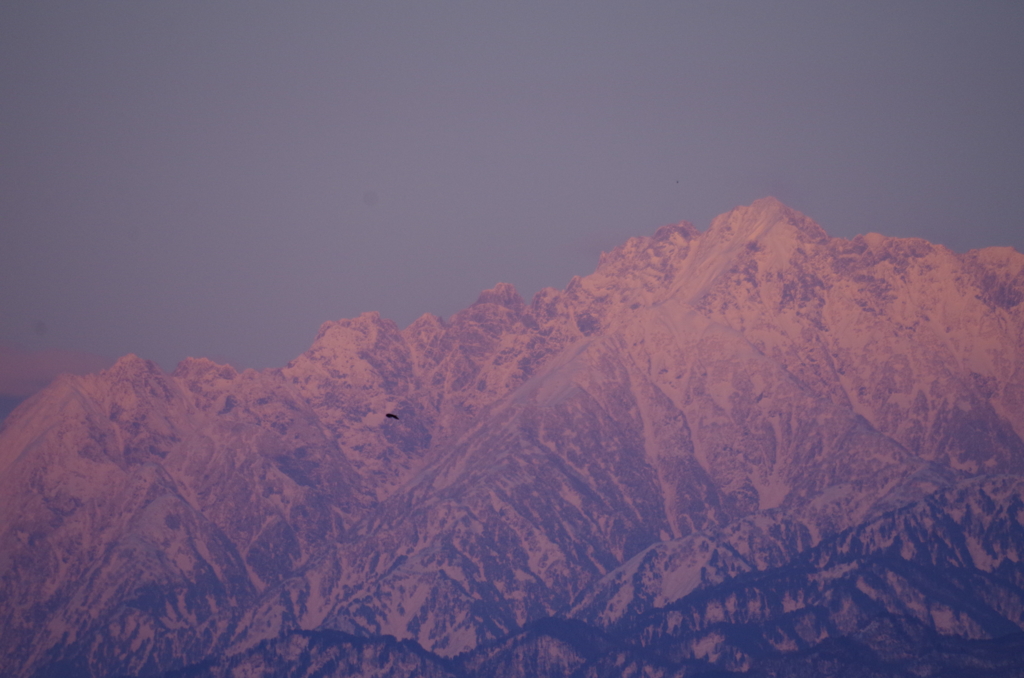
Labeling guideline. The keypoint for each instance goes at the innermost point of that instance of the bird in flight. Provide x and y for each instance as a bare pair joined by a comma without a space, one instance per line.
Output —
391,416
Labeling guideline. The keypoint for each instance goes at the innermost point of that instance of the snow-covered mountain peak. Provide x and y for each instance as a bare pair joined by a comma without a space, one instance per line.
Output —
503,294
763,218
701,409
130,367
191,369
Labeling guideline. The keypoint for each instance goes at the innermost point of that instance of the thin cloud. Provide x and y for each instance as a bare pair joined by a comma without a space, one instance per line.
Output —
22,372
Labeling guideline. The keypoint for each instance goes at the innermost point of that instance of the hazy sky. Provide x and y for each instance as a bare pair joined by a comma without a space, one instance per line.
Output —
218,178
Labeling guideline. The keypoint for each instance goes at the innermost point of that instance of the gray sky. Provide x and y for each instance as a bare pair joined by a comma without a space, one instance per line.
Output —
218,178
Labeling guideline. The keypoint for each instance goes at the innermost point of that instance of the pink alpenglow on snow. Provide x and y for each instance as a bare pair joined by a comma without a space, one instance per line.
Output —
734,450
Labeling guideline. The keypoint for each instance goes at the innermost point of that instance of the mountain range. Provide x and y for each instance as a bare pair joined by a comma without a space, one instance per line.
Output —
757,450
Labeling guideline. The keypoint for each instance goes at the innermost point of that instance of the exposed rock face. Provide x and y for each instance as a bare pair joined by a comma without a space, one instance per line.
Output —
705,411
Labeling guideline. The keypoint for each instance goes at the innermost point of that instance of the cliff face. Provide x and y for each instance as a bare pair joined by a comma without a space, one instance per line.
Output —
702,409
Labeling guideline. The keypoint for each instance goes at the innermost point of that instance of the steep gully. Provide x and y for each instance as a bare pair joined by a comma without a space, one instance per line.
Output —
672,450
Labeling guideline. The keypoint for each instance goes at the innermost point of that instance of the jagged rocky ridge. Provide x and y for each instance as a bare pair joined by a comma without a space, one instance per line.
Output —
705,414
932,589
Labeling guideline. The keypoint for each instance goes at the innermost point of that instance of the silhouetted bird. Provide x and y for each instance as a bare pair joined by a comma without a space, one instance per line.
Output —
391,416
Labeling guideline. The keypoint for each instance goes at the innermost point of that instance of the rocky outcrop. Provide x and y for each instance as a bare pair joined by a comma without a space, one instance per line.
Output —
704,411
